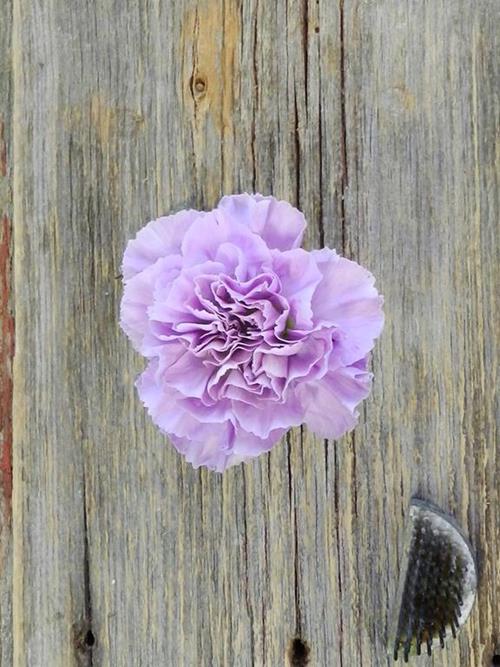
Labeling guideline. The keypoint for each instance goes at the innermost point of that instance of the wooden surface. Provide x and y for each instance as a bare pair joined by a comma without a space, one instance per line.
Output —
6,338
378,119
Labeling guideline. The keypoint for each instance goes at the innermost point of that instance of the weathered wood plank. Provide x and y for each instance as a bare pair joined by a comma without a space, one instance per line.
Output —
52,258
422,108
218,555
387,147
6,338
185,567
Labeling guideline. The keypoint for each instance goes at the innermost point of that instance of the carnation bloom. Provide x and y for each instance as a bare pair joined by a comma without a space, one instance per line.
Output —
246,334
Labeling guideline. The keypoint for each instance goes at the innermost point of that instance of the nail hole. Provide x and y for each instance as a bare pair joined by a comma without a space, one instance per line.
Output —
495,660
84,638
298,652
89,638
316,29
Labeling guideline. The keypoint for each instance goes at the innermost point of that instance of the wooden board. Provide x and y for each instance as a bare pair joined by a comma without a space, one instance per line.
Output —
6,337
422,211
378,120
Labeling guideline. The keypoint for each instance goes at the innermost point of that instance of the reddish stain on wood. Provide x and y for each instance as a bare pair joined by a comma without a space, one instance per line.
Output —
6,354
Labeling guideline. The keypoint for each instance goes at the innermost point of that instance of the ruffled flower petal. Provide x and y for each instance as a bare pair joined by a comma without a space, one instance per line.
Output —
205,237
138,297
346,298
211,454
280,225
266,415
299,277
330,402
159,238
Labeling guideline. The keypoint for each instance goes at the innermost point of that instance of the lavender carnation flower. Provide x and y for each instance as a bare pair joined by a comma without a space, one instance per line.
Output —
245,333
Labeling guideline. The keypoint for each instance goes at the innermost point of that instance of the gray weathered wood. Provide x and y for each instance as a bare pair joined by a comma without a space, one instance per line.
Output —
52,259
422,109
6,338
378,120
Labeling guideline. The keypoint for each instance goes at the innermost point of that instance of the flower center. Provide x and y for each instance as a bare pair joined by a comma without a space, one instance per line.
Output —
231,319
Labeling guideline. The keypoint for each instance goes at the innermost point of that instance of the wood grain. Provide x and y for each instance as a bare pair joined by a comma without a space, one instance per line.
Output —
6,337
378,119
422,113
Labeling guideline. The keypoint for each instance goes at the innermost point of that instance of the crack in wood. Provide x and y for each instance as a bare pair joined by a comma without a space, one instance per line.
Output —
343,127
88,635
256,100
6,355
339,554
245,548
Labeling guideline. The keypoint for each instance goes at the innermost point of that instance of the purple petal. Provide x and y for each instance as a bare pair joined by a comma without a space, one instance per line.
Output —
212,448
299,276
159,238
346,298
182,370
205,237
268,416
217,456
311,360
174,306
214,445
164,408
330,403
138,296
278,223
247,445
170,410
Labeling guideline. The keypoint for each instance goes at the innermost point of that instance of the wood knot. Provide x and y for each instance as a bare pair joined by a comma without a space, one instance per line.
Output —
198,87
